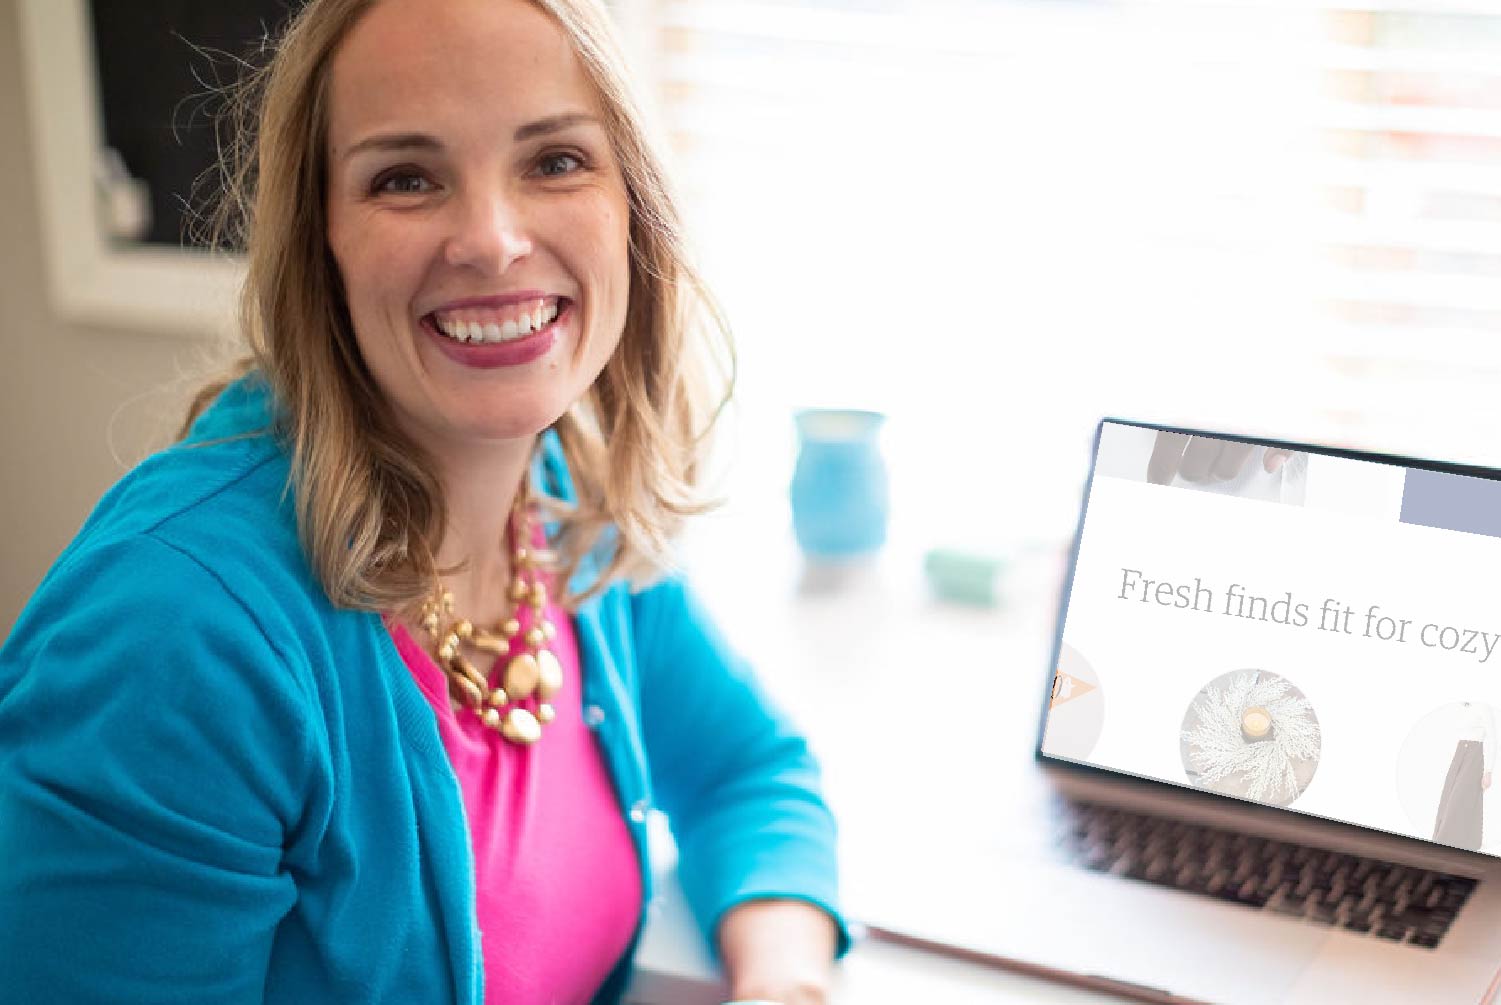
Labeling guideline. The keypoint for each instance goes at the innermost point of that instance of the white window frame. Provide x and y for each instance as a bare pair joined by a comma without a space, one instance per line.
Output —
90,280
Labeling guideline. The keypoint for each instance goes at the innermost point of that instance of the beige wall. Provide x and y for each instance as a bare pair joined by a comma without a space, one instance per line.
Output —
78,405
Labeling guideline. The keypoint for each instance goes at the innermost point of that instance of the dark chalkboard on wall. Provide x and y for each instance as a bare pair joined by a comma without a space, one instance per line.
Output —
158,62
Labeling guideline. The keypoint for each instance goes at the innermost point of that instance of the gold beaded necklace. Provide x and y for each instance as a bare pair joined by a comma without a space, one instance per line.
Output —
534,670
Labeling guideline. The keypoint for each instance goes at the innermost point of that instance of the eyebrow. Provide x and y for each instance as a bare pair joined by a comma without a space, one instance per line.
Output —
422,141
392,141
552,124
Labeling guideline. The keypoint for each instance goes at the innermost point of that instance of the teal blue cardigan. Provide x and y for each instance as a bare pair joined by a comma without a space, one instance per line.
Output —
217,787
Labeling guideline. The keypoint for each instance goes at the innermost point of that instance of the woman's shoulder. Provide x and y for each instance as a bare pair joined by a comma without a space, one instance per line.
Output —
186,581
157,631
190,484
212,497
218,502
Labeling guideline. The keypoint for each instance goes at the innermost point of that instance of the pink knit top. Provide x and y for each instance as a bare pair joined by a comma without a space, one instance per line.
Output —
558,886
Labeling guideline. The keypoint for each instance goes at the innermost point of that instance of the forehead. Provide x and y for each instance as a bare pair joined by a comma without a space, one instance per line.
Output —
453,66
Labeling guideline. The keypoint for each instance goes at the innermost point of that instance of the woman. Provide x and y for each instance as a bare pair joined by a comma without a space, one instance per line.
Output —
253,745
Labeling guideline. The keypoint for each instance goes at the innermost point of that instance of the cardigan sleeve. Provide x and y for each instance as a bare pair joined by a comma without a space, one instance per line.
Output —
153,747
739,785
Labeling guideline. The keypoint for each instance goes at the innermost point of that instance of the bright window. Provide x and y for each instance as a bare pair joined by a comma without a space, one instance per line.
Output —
1000,220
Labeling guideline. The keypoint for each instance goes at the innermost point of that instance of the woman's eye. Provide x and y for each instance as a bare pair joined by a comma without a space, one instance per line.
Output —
402,183
552,165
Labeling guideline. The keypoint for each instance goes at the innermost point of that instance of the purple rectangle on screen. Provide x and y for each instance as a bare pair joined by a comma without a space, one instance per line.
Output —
1452,502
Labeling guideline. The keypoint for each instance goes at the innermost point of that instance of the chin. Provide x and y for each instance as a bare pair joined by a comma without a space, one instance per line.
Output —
514,426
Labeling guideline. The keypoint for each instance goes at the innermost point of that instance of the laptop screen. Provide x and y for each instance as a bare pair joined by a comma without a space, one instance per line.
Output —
1310,629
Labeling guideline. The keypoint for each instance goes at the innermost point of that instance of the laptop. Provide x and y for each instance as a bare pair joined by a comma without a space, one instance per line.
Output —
1266,766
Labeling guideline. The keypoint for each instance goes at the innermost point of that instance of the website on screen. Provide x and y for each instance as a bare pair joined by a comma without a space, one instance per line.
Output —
1300,630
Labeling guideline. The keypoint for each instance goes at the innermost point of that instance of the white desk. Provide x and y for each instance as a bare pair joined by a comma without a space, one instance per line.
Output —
907,700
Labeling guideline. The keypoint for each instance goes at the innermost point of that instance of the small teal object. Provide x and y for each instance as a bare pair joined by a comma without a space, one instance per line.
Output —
964,576
840,495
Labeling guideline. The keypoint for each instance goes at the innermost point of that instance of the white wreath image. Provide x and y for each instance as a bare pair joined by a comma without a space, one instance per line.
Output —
1218,750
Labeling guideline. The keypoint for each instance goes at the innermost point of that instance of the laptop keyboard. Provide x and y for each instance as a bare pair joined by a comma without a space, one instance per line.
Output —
1382,899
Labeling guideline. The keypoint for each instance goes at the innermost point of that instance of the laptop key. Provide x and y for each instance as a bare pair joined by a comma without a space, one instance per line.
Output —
1321,913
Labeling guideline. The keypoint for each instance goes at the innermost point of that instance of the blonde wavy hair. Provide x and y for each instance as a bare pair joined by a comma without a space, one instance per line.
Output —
369,510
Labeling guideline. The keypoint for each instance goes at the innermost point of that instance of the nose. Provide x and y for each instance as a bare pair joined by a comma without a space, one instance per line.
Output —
488,232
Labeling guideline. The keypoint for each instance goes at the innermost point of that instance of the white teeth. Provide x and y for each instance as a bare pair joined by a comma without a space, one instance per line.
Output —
477,331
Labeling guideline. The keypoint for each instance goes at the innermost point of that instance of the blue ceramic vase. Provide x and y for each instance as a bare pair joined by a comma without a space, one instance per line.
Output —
840,501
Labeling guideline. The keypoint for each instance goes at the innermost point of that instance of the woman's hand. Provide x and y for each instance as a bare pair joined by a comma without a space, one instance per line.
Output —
778,951
1205,460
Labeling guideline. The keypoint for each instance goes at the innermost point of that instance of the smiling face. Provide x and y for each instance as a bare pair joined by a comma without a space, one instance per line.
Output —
477,216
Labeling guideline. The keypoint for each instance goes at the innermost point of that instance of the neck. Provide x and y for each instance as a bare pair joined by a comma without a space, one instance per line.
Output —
480,490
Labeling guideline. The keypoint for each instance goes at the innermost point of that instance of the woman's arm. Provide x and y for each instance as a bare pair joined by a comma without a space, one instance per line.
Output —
742,792
152,756
778,950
